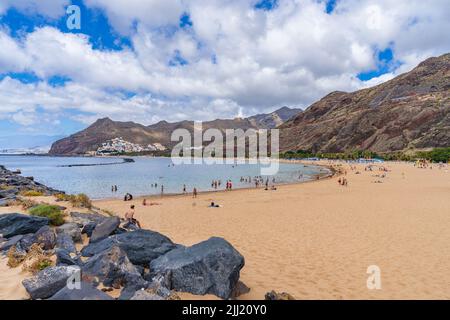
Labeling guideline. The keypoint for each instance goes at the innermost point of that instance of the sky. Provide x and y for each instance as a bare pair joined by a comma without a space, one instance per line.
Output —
152,60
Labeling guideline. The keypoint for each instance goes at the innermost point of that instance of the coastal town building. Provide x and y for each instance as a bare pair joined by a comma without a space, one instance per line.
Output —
119,145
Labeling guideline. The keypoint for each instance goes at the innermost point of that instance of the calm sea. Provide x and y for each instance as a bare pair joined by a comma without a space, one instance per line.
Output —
137,177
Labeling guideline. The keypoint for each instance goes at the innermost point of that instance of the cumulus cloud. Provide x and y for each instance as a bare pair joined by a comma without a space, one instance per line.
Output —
233,60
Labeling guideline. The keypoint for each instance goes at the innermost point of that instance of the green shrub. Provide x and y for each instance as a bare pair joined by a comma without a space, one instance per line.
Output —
52,212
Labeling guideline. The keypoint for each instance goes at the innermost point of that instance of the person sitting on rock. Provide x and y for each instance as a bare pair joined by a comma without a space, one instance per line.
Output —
129,216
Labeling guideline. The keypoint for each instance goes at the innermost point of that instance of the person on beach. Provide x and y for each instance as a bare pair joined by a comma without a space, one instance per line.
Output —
128,197
194,193
129,216
184,189
144,202
213,205
162,190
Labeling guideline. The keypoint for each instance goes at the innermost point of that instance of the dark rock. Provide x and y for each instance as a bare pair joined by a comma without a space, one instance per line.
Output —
273,295
210,267
63,258
6,245
65,242
87,292
156,290
113,268
83,219
72,230
141,246
12,224
45,237
26,242
89,228
49,281
105,229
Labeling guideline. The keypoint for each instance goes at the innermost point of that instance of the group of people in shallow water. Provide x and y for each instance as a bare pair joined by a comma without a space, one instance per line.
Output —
343,182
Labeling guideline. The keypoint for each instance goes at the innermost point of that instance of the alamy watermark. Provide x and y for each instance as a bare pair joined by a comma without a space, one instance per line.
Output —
229,146
374,279
74,19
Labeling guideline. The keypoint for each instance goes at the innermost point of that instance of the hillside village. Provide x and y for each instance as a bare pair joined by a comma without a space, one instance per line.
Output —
119,145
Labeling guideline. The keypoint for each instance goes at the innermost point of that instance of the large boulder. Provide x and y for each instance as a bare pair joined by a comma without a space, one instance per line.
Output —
72,229
86,292
13,224
141,246
45,237
82,219
113,268
209,267
65,242
49,281
105,229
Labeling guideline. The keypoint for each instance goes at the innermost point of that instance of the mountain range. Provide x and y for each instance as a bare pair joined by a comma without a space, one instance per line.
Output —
409,112
106,129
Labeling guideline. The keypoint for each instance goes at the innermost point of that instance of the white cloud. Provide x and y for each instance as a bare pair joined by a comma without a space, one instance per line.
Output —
240,60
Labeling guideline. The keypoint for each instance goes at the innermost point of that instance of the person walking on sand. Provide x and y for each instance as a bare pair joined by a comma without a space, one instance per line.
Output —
184,189
162,190
194,193
129,216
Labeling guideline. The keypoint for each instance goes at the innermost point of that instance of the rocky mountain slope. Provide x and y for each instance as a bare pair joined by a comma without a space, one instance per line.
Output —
411,111
106,129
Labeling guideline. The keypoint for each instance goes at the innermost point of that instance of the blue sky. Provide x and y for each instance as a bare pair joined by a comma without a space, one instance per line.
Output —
150,60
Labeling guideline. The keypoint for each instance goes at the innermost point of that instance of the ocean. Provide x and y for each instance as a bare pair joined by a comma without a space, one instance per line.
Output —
137,177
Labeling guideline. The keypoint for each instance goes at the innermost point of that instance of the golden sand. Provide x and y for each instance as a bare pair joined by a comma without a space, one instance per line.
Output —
316,240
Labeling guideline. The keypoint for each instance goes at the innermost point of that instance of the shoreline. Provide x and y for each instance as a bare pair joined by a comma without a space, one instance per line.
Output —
332,173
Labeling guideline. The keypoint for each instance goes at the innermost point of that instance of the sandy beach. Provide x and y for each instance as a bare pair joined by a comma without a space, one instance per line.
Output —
314,240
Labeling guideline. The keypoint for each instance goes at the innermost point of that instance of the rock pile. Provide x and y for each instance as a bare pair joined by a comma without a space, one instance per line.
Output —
13,184
142,264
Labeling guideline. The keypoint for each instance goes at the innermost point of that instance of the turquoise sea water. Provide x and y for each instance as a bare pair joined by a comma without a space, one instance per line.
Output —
137,177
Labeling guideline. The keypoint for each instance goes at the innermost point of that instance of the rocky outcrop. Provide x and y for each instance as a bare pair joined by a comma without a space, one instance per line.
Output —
16,183
410,111
49,281
13,224
210,267
141,246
